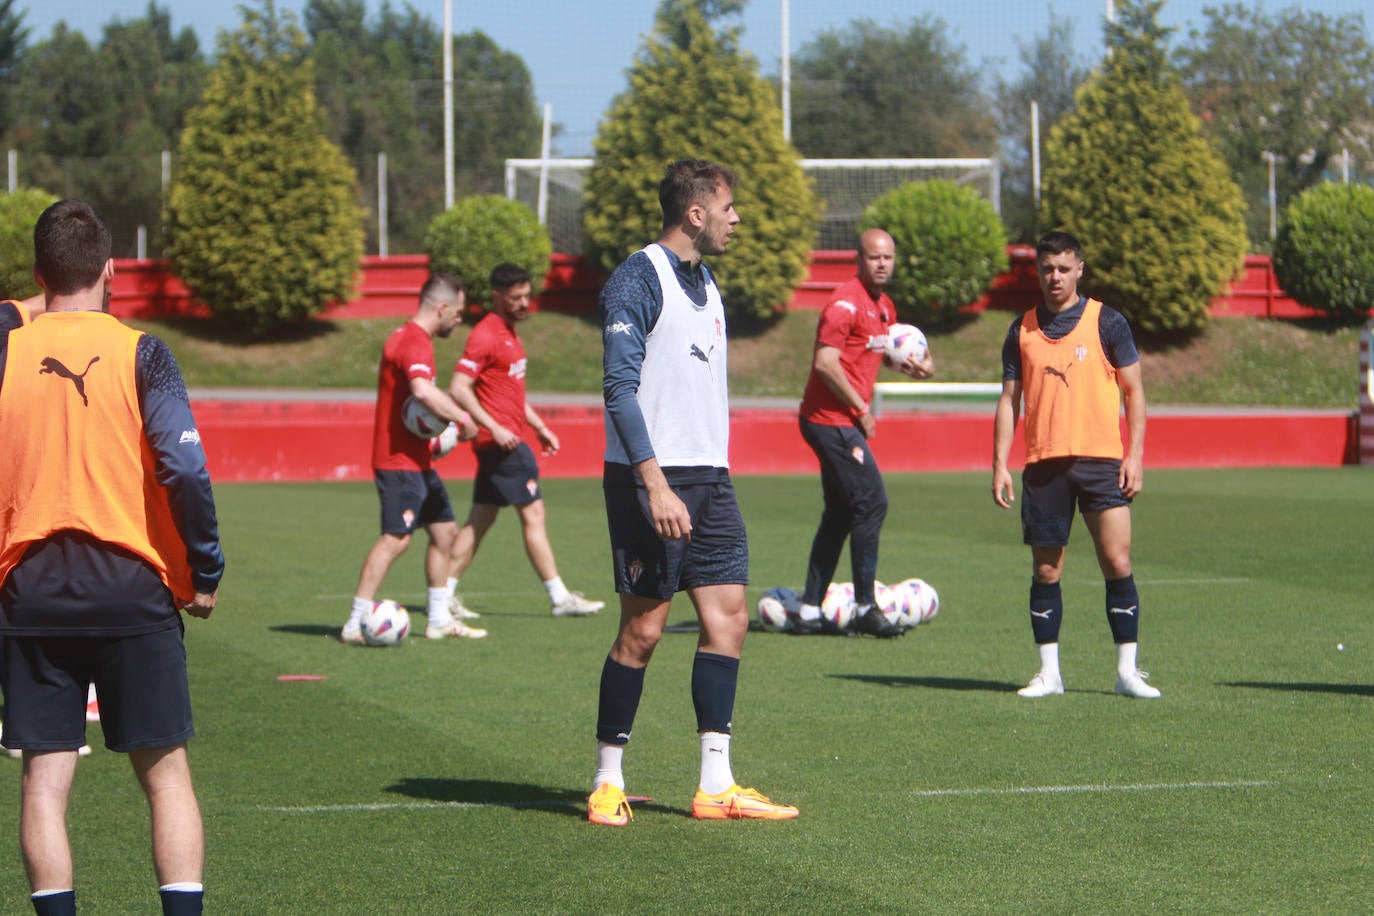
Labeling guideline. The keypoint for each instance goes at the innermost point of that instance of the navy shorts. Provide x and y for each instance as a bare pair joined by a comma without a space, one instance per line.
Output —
506,478
1050,490
145,701
410,500
645,564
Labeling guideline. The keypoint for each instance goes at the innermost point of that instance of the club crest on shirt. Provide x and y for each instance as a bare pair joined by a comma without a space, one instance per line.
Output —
633,570
720,330
1081,352
858,454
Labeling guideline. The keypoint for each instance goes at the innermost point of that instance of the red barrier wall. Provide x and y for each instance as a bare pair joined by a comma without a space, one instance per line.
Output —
387,287
307,440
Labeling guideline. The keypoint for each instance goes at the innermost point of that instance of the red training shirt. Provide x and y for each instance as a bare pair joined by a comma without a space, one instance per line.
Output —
495,357
408,354
854,323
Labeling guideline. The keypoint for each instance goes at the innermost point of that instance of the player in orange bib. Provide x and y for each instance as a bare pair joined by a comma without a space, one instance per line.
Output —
1072,359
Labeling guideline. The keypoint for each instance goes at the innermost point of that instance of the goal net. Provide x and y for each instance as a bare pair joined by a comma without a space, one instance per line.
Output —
552,188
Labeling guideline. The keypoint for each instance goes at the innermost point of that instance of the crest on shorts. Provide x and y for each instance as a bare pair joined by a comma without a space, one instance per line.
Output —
858,454
408,516
1081,352
532,485
633,570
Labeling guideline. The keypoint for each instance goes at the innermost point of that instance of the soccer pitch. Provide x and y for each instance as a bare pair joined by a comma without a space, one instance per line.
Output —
449,777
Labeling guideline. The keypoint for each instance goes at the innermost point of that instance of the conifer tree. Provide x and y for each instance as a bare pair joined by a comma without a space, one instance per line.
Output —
693,93
1129,172
263,222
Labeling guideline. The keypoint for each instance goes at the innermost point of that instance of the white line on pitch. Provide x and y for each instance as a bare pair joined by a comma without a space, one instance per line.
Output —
407,806
1053,790
1195,581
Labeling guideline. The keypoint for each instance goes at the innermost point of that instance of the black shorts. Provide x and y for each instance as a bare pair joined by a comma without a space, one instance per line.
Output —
1050,490
145,701
645,564
506,478
410,500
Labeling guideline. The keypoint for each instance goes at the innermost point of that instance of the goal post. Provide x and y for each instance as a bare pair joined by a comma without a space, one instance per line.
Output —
847,186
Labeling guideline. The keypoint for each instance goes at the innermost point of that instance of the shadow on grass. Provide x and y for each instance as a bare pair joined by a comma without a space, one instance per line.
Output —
934,683
1359,690
306,629
506,794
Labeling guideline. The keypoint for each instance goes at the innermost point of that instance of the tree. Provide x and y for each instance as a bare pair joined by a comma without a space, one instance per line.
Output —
1130,173
263,221
1296,84
380,83
694,94
1050,78
869,91
13,41
92,121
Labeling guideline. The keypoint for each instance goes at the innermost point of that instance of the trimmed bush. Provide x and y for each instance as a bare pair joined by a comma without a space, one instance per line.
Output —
693,94
484,231
263,222
18,214
1323,255
950,246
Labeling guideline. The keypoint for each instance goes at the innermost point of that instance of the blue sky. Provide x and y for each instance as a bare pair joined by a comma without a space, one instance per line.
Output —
578,50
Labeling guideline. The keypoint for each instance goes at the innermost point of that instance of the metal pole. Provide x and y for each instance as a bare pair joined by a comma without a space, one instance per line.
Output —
1345,166
786,73
544,150
1035,159
381,205
448,104
14,170
1268,157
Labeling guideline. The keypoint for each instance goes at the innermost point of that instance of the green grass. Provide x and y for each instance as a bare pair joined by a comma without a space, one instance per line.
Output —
448,778
1236,361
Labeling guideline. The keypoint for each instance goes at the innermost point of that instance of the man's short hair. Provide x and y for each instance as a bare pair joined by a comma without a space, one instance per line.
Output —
1057,242
687,182
71,246
504,276
441,287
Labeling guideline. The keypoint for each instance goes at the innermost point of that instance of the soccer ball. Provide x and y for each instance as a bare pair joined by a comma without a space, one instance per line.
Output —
386,624
896,604
838,606
778,608
925,601
419,420
904,340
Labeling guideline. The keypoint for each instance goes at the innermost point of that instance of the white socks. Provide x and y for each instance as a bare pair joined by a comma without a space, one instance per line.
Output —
809,612
1125,659
558,592
436,606
1049,659
360,607
608,765
716,775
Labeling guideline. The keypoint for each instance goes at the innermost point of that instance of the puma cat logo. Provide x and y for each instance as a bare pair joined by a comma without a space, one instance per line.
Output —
54,366
1061,375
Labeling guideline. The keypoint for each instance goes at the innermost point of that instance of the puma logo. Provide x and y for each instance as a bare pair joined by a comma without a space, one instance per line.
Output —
1043,615
697,353
1061,375
54,366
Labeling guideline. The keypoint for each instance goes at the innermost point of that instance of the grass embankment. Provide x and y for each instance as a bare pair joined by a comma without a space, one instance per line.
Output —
1235,361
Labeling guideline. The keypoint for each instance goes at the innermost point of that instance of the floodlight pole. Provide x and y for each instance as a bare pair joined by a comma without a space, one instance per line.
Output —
786,73
448,104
